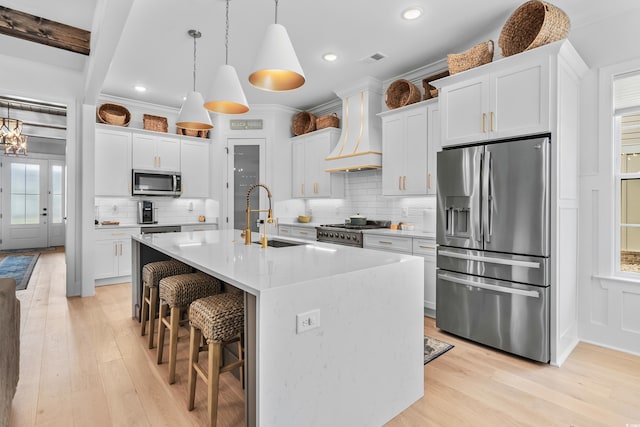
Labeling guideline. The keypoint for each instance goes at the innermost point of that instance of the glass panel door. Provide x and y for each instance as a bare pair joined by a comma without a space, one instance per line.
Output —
25,199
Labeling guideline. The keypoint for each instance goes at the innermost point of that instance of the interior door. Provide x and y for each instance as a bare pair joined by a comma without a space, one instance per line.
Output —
25,215
245,167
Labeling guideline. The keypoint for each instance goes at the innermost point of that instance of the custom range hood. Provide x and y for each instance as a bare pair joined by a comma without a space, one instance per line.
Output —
360,144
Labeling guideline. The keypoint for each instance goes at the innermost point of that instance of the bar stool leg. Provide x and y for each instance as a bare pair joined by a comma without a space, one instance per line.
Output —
152,310
145,310
241,357
213,382
194,352
173,342
161,329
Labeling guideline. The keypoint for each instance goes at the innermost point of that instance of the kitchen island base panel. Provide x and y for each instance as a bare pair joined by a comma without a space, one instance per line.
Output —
364,363
361,366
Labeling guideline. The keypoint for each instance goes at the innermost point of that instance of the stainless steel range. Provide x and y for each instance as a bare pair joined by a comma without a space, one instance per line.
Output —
346,234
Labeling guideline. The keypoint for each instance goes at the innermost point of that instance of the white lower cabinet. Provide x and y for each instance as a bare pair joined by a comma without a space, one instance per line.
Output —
306,233
112,259
426,248
199,227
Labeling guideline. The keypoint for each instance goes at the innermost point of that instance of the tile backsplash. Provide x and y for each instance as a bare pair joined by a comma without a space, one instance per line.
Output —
363,195
168,210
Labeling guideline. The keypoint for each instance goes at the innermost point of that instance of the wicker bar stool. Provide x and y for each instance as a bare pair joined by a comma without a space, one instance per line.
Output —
177,292
220,319
152,273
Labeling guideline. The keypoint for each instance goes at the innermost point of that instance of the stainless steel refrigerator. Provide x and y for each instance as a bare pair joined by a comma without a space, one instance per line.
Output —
493,236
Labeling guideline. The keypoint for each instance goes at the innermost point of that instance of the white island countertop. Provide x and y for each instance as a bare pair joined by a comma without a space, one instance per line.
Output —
360,363
254,269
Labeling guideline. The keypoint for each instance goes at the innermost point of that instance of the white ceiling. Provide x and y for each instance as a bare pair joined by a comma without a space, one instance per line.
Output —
155,50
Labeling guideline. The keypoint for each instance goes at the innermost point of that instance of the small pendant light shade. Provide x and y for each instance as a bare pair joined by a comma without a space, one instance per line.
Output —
192,115
277,67
226,94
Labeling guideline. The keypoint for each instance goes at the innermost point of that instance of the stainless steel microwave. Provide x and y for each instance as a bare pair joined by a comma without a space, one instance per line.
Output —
156,183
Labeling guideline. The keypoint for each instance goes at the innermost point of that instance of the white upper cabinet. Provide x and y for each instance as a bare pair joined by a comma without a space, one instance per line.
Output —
309,179
510,99
407,148
194,164
155,152
112,163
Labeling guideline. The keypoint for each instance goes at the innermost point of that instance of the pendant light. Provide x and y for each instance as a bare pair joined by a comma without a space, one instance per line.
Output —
227,96
11,135
277,67
192,114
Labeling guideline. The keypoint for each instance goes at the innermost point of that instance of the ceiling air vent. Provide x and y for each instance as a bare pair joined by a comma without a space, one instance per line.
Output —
374,57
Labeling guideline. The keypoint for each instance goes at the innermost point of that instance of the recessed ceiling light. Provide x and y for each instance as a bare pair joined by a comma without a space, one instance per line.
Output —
140,88
412,13
329,57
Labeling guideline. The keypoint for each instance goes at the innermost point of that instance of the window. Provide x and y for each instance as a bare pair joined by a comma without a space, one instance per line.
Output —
25,193
627,170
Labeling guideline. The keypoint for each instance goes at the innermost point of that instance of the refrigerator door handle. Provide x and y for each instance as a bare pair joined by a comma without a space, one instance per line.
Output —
486,199
487,286
492,260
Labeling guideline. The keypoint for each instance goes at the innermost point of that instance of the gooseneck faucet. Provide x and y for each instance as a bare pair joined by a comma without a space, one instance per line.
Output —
246,233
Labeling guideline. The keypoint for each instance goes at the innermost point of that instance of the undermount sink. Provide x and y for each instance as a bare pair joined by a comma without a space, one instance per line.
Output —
281,243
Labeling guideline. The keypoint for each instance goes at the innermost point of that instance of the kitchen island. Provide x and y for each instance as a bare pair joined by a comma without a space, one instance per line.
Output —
361,365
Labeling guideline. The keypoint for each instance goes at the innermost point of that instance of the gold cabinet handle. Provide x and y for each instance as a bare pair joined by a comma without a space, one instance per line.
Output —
428,181
426,247
115,247
385,242
315,187
404,182
491,121
302,189
400,182
484,119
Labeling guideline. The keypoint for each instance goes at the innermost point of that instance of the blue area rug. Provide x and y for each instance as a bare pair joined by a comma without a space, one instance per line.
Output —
434,348
18,267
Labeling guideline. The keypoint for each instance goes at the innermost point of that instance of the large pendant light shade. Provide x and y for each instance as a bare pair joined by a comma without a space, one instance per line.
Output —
192,115
277,67
227,96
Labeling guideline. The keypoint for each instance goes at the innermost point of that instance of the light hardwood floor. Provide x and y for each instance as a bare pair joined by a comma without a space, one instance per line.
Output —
83,363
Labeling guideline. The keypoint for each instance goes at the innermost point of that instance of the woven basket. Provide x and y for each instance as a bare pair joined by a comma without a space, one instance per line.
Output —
478,55
429,90
114,114
303,122
156,123
328,121
199,133
400,93
534,24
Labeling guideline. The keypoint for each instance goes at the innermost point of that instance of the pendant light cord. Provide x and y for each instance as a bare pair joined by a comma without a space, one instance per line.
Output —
276,11
194,61
226,38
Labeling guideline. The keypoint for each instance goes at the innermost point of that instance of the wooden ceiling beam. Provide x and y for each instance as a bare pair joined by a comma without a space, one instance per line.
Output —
40,30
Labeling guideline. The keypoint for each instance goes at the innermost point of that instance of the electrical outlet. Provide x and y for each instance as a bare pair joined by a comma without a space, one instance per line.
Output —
405,212
307,321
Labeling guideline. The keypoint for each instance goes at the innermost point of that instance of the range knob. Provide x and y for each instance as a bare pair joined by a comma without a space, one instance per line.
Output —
330,234
342,235
348,236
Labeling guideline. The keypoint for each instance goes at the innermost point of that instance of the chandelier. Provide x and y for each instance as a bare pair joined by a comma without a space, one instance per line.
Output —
11,135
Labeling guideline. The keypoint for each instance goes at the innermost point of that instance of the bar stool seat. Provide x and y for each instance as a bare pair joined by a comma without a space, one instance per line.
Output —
152,273
176,293
220,319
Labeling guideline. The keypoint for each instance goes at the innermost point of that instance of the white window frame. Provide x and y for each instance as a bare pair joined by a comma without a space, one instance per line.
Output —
614,118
